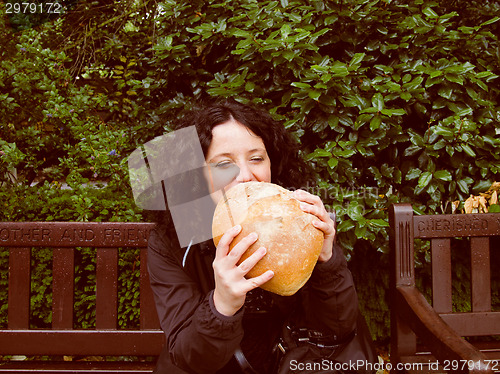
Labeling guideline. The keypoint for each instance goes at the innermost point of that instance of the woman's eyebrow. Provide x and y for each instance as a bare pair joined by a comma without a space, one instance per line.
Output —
257,150
227,154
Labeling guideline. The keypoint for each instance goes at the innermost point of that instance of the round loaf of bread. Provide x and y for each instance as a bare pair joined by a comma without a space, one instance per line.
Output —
293,244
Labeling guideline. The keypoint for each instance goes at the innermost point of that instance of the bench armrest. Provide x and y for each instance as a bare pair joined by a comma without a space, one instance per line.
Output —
441,339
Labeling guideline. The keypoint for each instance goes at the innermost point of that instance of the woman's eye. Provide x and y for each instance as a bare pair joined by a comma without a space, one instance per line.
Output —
223,165
258,159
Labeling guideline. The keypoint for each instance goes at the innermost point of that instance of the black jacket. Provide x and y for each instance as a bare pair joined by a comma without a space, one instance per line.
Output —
201,340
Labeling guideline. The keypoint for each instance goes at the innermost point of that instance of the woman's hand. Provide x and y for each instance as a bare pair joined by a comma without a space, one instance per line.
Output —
231,286
312,204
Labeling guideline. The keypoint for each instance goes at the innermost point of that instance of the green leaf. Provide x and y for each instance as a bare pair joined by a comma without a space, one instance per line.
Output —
424,179
489,22
356,59
314,94
355,211
464,112
344,153
484,74
285,30
239,33
333,162
482,186
412,174
345,225
249,86
414,84
445,92
455,78
467,149
406,96
339,69
459,68
494,208
327,100
429,12
443,175
436,73
318,152
243,44
463,186
369,110
379,223
411,150
443,131
375,123
360,231
378,101
393,112
300,85
289,54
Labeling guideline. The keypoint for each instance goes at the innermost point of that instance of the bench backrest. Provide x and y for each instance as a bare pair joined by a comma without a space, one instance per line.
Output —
62,339
481,320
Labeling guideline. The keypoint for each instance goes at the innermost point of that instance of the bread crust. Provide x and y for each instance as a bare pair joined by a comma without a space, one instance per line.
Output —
293,244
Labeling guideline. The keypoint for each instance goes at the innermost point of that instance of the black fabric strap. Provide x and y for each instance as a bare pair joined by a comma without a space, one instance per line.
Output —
243,362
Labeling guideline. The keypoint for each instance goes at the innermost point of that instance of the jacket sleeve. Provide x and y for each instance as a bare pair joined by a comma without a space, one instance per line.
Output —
329,299
199,338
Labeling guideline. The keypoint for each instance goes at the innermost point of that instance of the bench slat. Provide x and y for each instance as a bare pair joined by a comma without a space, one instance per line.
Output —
441,275
149,317
480,274
82,342
19,288
89,367
474,324
456,225
107,288
75,234
63,265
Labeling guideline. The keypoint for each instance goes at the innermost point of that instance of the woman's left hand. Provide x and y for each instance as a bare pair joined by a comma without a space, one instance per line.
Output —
312,204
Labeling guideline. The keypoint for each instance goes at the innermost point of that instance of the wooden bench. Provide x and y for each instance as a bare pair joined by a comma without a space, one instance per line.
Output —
421,333
62,339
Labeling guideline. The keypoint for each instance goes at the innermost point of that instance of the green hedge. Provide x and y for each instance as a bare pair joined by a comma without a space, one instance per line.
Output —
392,101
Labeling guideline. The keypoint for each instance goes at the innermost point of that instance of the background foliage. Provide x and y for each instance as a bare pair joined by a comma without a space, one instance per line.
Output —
391,100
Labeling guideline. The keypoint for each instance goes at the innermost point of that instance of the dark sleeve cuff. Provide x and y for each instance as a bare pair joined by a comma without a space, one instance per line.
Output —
210,320
212,343
328,271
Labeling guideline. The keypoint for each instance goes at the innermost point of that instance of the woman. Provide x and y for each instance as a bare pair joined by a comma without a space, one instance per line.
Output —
216,320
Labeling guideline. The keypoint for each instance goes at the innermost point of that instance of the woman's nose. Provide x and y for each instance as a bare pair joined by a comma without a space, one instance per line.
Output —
245,174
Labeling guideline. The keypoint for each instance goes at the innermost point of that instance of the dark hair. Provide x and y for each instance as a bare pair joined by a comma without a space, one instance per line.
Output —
288,169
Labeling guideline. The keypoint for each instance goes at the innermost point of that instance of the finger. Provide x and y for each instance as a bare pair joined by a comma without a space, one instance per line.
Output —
312,204
307,197
313,209
226,239
241,247
328,228
318,211
251,261
259,280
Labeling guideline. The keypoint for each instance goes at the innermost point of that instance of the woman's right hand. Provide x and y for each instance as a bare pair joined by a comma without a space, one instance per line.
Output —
231,286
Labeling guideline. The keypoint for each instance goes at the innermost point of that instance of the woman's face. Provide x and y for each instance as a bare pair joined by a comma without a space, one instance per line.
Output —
234,144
